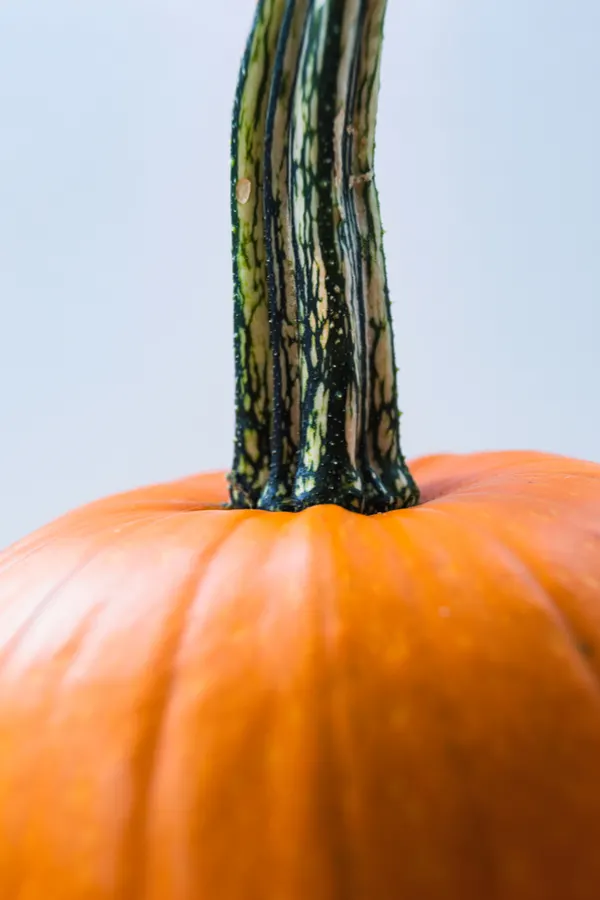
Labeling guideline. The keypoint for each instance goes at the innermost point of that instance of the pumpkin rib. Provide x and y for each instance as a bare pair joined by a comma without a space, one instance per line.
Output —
236,727
510,501
534,684
152,499
469,806
134,883
13,555
455,753
516,495
53,681
461,473
578,638
431,695
332,769
504,549
11,644
544,500
50,535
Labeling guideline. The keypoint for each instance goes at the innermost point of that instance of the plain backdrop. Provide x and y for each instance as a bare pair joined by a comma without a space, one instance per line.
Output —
115,293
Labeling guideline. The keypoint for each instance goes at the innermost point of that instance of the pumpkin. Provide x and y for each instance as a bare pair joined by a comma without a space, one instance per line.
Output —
328,676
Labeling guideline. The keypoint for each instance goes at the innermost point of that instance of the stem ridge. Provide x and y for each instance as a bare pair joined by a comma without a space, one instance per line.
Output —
317,419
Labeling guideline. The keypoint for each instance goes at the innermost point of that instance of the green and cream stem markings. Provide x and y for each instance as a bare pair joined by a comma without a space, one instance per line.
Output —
317,419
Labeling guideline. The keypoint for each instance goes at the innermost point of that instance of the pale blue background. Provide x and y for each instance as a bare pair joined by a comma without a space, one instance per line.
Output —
115,349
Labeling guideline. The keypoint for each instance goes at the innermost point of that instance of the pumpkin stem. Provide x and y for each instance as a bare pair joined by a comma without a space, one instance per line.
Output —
317,419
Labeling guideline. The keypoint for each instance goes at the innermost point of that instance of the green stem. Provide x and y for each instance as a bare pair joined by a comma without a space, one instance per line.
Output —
316,402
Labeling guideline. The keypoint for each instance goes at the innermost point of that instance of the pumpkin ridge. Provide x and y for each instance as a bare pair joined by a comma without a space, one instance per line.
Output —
133,884
504,549
19,553
11,645
571,633
331,770
473,820
492,484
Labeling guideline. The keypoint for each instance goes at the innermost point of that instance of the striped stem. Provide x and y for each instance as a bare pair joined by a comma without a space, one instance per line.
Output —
316,400
253,358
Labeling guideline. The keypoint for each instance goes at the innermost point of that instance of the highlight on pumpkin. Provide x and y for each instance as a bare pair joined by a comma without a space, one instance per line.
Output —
317,417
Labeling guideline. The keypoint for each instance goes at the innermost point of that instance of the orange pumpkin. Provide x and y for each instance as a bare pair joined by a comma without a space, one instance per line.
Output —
200,703
343,680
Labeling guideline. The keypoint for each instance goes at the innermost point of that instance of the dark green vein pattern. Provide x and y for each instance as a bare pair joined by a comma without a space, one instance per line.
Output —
316,402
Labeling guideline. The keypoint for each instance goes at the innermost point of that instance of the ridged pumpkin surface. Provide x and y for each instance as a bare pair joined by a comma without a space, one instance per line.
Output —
201,704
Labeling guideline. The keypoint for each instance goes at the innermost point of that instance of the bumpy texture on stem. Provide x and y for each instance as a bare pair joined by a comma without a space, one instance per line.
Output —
317,418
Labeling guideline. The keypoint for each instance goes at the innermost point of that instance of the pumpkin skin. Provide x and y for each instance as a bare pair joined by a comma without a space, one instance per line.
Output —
201,703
